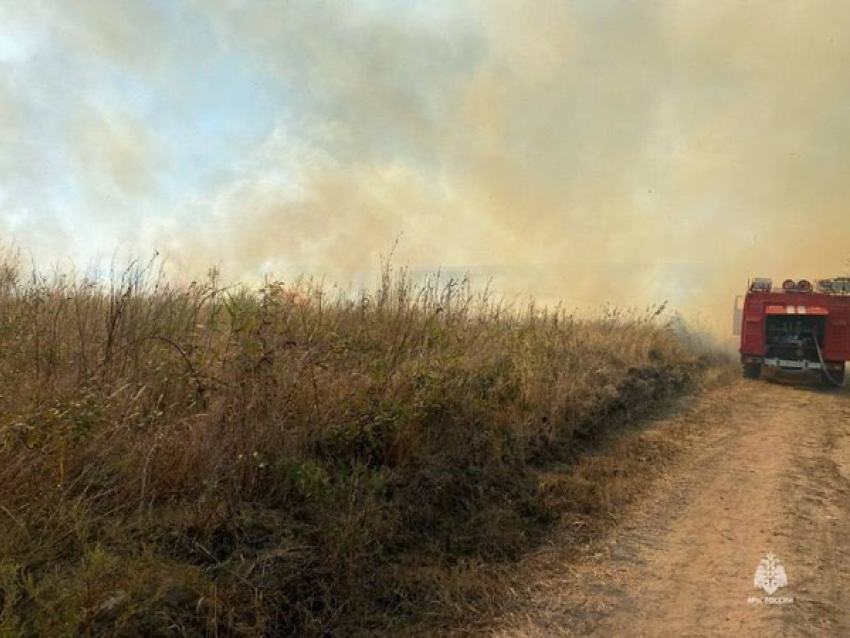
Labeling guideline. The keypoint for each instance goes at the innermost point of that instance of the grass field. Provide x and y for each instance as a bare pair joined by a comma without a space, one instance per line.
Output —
287,458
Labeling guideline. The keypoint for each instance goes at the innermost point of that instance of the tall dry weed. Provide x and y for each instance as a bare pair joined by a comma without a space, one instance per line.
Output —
286,457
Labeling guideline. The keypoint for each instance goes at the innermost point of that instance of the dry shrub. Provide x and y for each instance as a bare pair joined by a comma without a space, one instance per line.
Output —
288,458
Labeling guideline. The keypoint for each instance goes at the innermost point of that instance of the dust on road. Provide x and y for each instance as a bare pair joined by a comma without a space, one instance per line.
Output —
769,472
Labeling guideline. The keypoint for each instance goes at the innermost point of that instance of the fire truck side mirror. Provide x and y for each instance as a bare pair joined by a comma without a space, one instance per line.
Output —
737,315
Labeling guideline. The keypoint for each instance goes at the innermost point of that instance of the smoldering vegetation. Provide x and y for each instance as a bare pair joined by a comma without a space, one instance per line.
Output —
290,458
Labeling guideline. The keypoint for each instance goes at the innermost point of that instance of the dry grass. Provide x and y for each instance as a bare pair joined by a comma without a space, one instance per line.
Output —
232,461
558,588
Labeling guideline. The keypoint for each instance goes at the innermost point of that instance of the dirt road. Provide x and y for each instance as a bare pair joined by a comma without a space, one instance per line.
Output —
767,471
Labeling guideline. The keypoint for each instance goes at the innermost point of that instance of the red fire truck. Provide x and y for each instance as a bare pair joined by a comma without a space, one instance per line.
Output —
798,326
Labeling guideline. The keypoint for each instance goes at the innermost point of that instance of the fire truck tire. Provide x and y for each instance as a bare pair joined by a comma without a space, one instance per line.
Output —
751,370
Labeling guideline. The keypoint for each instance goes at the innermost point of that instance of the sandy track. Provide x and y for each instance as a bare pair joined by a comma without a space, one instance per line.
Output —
768,471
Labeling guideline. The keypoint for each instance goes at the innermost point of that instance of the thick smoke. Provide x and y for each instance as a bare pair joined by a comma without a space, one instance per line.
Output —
593,151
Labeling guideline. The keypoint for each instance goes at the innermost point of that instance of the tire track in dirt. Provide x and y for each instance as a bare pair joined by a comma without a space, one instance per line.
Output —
768,471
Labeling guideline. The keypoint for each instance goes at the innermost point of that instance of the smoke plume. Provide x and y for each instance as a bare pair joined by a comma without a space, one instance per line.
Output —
616,151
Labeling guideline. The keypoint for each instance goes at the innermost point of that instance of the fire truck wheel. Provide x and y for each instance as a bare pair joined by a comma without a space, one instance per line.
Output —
751,370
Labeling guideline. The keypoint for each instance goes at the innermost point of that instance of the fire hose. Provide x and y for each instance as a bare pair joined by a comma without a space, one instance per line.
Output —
823,366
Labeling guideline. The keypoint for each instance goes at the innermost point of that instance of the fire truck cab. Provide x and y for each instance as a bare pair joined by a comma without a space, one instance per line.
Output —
799,326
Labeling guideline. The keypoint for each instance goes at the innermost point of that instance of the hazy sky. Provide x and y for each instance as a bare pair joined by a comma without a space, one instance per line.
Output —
598,149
